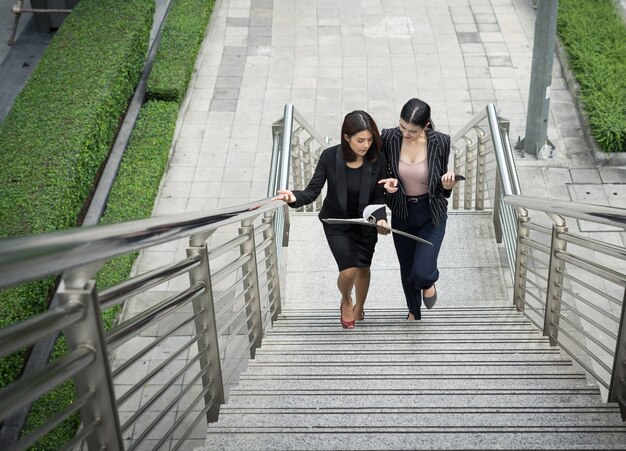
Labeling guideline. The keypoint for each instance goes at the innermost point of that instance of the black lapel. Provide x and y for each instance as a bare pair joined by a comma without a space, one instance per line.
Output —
433,150
340,174
396,144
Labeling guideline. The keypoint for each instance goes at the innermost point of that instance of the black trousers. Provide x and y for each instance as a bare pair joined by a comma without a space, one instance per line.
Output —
418,261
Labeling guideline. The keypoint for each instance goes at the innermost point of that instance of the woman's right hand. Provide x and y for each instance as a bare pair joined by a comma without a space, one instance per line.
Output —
285,195
390,184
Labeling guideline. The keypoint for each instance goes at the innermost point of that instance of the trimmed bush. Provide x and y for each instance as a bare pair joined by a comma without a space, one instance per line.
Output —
139,178
183,32
594,35
58,133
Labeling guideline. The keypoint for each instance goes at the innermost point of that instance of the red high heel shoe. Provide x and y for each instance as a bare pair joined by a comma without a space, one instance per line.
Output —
345,323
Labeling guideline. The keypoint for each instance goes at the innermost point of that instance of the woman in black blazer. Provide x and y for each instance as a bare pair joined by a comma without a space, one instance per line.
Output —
352,170
418,192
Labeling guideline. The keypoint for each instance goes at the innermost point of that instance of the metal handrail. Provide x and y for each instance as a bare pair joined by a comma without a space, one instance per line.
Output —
542,287
249,304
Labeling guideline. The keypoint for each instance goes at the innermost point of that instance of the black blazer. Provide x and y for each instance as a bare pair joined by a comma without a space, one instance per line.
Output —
438,149
332,167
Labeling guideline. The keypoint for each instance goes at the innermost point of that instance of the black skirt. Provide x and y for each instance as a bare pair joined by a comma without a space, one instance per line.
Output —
351,248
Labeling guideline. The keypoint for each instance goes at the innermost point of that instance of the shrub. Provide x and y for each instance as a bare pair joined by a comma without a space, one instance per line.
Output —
174,62
594,35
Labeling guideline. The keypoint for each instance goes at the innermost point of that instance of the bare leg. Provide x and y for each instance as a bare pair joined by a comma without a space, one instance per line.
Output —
361,287
345,283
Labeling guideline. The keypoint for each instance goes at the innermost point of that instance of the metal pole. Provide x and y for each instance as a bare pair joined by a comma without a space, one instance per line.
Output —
540,77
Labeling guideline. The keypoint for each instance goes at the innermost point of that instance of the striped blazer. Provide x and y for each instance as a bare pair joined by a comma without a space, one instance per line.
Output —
438,154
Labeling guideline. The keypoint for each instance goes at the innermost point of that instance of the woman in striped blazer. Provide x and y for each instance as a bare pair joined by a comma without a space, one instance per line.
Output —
417,194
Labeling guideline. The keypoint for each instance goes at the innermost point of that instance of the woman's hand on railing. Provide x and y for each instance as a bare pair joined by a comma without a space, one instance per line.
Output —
390,184
286,196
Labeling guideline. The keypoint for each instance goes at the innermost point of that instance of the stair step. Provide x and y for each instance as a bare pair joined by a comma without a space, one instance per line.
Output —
412,418
382,357
391,438
462,398
409,384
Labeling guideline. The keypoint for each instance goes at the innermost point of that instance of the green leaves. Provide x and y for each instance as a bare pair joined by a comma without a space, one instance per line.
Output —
595,37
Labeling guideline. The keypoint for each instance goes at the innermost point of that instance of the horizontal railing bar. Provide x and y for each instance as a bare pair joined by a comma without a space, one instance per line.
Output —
132,360
310,130
144,380
179,374
53,422
595,245
228,306
85,431
226,292
23,334
261,246
128,329
536,245
227,270
582,363
241,356
33,257
201,414
599,214
536,259
580,329
537,227
536,274
579,298
593,268
229,245
581,346
119,293
30,388
606,296
584,333
236,331
480,117
234,315
263,260
179,420
262,227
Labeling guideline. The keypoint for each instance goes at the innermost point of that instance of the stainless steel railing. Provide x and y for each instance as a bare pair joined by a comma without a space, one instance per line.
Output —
188,327
570,284
230,298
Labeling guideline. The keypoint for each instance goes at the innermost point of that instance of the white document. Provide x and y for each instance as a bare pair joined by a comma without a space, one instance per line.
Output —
369,220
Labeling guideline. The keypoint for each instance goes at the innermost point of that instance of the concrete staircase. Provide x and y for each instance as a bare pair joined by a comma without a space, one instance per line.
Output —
473,374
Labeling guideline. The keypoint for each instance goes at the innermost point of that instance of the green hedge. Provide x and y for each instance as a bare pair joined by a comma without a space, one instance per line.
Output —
139,178
183,33
56,137
58,133
594,35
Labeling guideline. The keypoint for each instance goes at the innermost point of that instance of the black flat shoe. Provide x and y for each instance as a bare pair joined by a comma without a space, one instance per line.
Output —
429,301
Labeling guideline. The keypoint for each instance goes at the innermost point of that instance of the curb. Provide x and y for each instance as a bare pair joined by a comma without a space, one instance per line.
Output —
600,158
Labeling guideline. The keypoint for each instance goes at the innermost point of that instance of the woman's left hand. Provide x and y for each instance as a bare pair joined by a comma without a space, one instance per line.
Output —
383,227
447,180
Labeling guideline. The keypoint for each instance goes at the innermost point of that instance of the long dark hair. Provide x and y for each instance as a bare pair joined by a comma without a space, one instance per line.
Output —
417,112
353,123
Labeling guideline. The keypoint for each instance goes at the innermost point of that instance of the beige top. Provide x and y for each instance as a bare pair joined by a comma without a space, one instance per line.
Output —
414,177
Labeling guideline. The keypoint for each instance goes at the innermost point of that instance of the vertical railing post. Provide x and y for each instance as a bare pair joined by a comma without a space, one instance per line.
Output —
96,377
251,285
457,170
469,174
272,262
555,282
519,287
481,159
497,208
617,389
206,327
